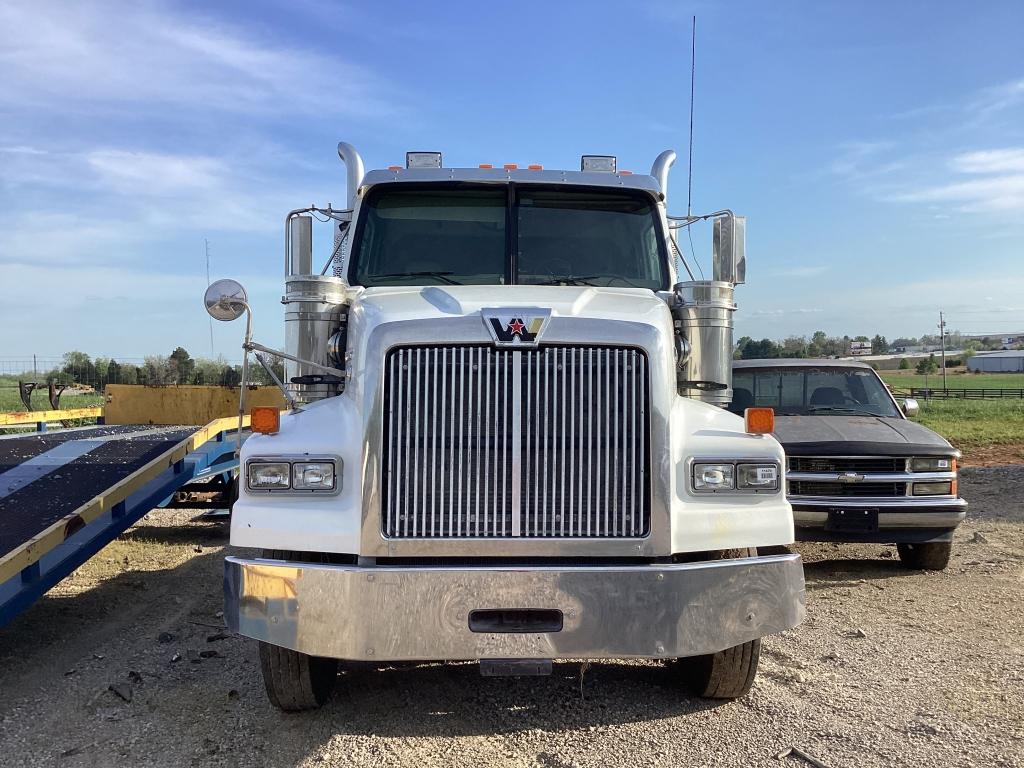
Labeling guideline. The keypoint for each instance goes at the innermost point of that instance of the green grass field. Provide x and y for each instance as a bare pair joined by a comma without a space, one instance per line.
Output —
957,380
971,423
10,401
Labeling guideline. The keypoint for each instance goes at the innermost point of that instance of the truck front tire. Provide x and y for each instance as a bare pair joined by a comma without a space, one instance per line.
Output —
295,681
727,674
932,556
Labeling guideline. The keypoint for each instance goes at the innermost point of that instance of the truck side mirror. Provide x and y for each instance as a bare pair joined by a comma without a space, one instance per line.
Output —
226,300
730,249
910,407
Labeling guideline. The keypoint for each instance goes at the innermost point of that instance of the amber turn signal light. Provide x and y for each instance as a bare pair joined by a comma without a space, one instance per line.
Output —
759,421
264,420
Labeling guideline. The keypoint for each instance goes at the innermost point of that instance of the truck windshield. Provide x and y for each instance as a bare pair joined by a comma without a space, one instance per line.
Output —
814,390
470,235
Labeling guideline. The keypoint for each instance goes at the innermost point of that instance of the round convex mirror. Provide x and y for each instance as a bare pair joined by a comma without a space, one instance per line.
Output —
225,300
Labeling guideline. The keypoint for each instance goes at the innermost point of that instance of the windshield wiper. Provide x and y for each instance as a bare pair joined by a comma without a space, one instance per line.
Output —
585,280
838,409
442,276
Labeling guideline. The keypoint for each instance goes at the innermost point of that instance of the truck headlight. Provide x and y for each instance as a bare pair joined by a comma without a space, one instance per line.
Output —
757,477
944,488
313,475
714,477
933,464
280,474
268,475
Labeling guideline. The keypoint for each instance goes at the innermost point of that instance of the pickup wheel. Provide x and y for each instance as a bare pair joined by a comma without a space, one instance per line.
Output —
727,674
931,556
295,681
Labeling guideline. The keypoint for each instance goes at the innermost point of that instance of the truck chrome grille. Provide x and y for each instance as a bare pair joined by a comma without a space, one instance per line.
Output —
492,443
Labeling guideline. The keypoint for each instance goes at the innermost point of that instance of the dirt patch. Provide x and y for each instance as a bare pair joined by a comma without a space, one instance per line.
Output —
993,455
126,662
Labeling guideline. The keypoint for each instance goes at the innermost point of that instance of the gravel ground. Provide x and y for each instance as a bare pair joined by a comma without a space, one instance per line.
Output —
125,662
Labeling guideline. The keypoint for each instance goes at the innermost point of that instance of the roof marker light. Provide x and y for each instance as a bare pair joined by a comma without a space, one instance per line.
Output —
486,166
394,167
598,163
535,167
422,159
510,166
625,173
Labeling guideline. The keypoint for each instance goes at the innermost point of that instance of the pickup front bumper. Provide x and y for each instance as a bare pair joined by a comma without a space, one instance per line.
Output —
427,613
903,521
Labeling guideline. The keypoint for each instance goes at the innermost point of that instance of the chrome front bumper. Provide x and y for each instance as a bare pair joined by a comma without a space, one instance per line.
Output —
422,613
904,513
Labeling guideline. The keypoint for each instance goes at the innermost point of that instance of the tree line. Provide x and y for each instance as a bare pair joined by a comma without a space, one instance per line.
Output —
821,344
179,367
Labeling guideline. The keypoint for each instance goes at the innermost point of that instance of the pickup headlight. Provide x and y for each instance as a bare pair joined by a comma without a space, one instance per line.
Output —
709,477
296,476
943,488
933,464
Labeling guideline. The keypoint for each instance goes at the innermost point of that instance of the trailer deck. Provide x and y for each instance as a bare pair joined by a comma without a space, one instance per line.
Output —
65,494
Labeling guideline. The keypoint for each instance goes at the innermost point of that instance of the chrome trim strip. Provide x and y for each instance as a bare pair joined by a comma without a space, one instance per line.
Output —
872,477
652,611
872,501
517,442
924,519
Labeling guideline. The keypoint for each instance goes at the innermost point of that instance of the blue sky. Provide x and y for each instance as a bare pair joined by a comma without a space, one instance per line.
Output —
877,148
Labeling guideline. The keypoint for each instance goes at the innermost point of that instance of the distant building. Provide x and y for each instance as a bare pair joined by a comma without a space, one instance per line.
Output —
1008,361
1009,342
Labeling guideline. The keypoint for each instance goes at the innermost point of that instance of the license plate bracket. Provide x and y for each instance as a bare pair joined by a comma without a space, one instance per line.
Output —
846,520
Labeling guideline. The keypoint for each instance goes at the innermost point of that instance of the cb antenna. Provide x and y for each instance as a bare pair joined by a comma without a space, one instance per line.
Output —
693,68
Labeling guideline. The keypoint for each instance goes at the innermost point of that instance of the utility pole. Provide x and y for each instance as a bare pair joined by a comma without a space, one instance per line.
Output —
942,340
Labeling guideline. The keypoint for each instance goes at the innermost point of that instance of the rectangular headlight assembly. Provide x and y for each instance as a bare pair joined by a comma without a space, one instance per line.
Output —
292,475
943,488
757,477
268,475
933,464
313,475
711,477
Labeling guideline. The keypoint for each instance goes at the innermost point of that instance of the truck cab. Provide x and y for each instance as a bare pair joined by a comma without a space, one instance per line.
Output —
508,440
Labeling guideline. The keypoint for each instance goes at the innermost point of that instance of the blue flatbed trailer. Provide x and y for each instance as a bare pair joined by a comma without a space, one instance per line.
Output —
66,494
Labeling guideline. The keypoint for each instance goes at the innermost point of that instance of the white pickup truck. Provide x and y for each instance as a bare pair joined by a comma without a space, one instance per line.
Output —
507,440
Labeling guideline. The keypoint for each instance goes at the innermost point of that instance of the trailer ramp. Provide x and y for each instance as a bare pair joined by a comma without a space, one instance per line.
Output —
64,495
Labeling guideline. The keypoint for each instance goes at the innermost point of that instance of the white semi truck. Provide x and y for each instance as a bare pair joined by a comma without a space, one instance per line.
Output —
507,440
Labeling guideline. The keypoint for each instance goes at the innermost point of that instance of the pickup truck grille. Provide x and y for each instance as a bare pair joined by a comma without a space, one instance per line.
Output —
482,442
845,490
832,464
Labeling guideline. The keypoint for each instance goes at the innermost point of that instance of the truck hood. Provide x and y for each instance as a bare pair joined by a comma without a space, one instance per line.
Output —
436,302
838,435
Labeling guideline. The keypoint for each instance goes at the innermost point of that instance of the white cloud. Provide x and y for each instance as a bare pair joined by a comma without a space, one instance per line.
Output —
96,56
990,161
811,270
996,183
997,98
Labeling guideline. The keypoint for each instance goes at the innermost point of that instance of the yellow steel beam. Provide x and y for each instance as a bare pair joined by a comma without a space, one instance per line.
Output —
32,550
32,417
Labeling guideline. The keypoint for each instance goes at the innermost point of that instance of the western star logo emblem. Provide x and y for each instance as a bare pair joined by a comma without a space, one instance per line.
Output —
516,327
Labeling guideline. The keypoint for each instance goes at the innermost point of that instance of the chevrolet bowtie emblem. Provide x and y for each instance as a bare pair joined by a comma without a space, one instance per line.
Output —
850,477
516,327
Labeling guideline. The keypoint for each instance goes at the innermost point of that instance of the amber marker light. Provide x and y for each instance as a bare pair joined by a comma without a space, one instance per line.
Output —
265,420
759,421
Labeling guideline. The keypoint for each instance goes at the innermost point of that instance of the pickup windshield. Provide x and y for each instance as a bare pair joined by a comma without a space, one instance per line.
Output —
462,234
812,390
